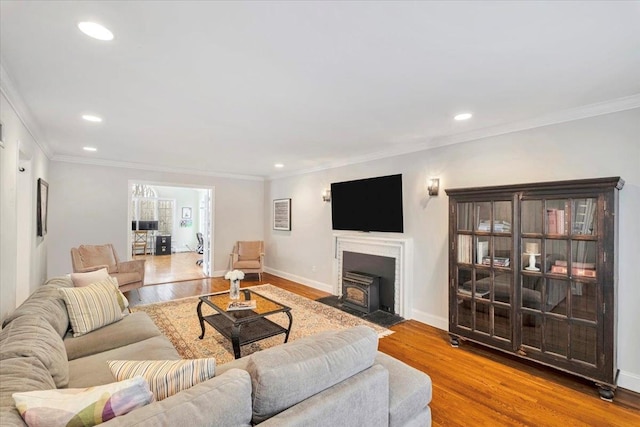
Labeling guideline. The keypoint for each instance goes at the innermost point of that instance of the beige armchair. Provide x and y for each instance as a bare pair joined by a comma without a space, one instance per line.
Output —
130,274
248,257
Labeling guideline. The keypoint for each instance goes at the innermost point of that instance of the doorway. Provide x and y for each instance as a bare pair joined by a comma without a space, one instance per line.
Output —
172,220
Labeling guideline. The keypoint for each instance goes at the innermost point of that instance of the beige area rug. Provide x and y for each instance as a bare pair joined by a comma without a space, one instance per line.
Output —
178,320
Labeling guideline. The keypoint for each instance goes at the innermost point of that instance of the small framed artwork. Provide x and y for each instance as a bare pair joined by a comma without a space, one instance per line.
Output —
43,206
186,213
282,214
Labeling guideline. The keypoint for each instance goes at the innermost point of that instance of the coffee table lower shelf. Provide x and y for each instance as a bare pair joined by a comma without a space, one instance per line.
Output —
245,332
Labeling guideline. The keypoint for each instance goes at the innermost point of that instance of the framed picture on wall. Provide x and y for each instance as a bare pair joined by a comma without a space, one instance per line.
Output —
282,214
43,206
186,213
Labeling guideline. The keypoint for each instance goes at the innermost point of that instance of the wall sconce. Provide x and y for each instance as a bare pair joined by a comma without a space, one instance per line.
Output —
326,195
433,186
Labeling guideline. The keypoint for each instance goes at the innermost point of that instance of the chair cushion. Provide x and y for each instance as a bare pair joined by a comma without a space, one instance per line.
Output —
290,373
165,377
246,264
31,336
98,255
92,307
249,250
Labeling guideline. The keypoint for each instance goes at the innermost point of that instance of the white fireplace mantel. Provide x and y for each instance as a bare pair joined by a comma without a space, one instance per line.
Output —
401,249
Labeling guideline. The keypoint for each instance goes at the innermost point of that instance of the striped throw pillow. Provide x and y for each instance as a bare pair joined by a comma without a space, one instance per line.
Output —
92,307
165,377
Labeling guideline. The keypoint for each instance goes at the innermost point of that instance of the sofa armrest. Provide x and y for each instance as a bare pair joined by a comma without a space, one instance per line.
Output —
335,405
92,268
224,400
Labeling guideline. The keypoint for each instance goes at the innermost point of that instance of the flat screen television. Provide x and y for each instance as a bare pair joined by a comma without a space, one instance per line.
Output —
372,204
144,225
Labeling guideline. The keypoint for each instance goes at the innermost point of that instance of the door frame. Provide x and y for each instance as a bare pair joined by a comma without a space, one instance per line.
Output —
209,217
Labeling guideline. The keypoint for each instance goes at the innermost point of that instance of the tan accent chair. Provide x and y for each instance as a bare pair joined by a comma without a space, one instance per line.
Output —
248,257
130,274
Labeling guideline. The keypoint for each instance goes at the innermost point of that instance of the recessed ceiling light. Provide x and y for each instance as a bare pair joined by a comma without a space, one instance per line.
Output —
89,148
96,31
463,116
278,165
90,118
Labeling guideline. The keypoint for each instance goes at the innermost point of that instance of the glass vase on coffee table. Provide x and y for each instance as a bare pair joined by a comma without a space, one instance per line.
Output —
234,278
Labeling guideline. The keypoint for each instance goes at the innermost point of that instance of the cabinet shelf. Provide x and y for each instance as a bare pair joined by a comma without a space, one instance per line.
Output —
531,270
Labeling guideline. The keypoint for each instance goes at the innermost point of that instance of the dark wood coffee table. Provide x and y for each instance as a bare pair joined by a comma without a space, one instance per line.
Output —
243,326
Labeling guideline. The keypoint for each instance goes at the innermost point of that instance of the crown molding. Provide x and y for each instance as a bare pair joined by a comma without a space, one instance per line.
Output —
13,97
149,167
591,110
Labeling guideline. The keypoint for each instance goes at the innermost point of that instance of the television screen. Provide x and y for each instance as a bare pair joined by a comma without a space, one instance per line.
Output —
147,225
372,204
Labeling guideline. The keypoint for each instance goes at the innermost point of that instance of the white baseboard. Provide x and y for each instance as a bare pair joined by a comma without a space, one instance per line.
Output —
219,273
303,280
430,319
629,380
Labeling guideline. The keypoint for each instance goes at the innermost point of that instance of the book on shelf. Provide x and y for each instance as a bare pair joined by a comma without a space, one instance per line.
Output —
241,305
498,226
586,272
483,251
464,248
555,221
497,261
588,265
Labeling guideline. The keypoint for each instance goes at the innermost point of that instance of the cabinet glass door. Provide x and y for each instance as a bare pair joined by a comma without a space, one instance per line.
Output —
484,276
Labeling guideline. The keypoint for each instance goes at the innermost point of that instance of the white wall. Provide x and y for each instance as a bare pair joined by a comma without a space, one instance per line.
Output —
30,255
183,239
596,147
89,205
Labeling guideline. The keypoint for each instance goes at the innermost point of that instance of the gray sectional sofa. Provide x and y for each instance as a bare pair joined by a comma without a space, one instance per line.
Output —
332,379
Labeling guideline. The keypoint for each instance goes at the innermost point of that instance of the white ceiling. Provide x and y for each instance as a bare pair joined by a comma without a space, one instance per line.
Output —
234,87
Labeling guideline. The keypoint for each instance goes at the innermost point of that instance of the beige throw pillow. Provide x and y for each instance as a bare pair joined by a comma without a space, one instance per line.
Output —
92,307
165,377
84,279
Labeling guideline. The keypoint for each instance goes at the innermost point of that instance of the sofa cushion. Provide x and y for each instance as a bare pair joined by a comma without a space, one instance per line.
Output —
409,390
131,329
46,302
93,370
285,375
17,375
31,336
246,264
82,407
165,377
92,307
84,279
221,401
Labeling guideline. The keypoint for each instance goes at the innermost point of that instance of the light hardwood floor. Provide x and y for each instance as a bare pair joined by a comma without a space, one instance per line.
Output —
472,386
171,268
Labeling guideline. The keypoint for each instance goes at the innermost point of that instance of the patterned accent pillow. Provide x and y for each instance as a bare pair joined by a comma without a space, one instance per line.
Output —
165,377
82,406
84,279
92,307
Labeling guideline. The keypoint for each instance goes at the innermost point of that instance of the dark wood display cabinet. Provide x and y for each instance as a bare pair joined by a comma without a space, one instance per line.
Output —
532,271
